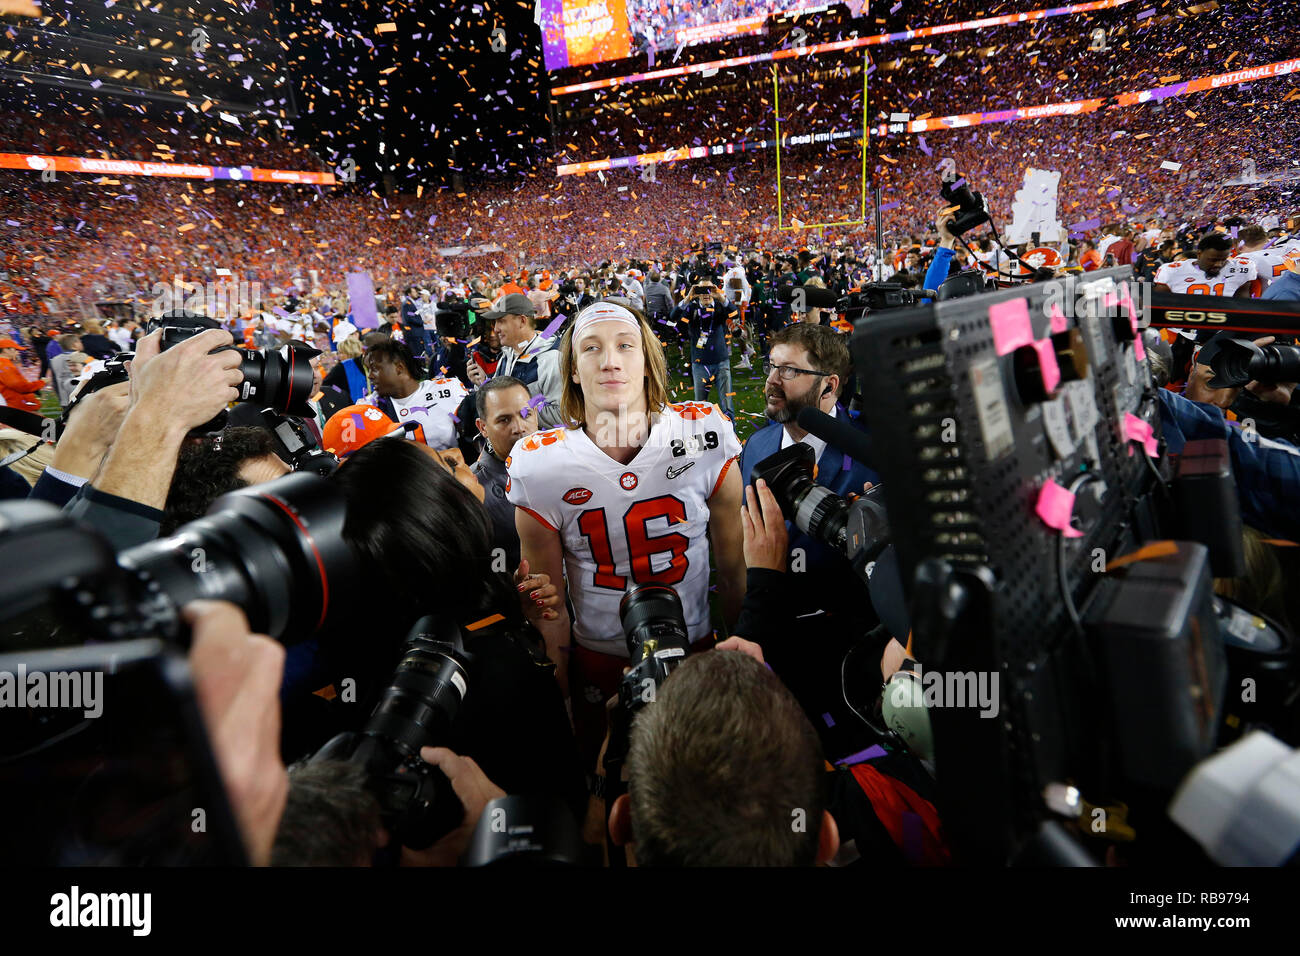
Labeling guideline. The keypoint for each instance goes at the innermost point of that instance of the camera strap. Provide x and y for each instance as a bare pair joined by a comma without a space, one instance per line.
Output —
19,455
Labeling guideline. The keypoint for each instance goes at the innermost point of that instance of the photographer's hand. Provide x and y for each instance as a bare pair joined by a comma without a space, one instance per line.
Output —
91,429
1278,392
766,541
472,786
237,678
186,384
474,372
946,239
175,391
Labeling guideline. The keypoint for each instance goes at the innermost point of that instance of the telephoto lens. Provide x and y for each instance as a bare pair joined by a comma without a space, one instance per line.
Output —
817,511
276,550
1238,361
654,626
281,379
416,710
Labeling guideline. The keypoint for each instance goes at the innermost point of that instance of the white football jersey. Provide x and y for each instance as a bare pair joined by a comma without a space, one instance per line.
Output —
1186,277
1270,262
627,525
433,406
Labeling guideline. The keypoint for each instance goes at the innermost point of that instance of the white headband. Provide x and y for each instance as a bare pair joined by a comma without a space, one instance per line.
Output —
603,312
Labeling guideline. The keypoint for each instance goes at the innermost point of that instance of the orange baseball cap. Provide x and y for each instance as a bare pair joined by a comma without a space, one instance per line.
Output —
350,428
11,344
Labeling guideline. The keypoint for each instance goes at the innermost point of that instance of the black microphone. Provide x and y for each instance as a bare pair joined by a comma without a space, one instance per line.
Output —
837,433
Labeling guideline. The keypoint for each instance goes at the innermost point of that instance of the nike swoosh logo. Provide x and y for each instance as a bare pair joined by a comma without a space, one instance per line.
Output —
674,472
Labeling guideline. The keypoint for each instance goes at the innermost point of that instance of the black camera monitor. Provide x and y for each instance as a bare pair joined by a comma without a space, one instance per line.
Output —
1015,432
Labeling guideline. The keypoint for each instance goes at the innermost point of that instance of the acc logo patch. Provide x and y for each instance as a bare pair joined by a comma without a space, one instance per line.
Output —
577,496
627,480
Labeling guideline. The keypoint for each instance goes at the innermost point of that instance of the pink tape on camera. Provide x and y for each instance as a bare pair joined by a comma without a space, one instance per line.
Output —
1135,429
1010,324
1058,319
1055,505
1048,365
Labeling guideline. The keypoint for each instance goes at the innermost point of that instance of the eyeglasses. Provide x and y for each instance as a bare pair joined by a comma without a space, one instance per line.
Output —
789,372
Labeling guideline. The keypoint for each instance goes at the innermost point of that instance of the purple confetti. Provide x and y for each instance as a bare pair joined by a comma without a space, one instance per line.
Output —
1147,13
924,146
555,324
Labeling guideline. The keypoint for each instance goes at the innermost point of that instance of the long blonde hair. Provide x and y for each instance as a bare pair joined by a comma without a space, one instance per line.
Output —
573,405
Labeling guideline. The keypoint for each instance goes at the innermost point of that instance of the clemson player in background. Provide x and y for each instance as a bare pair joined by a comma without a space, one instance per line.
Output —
631,493
1214,271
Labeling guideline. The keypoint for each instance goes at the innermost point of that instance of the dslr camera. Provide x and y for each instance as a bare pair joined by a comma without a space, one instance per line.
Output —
281,379
859,529
972,209
417,709
1238,361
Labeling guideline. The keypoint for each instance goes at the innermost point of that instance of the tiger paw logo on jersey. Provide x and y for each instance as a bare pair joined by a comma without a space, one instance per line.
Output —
627,480
578,496
692,410
543,438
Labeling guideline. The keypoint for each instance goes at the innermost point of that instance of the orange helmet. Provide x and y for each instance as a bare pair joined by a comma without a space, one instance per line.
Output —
1040,258
350,428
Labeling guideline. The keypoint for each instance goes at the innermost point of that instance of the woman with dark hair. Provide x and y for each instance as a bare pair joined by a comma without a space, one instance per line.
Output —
428,551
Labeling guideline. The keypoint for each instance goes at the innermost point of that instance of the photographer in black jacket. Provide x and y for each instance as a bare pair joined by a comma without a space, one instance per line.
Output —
704,315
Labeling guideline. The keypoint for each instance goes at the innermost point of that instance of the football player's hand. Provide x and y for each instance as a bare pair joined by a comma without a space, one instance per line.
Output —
538,597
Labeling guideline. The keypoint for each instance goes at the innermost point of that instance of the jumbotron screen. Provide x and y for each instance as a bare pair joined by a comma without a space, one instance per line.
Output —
579,32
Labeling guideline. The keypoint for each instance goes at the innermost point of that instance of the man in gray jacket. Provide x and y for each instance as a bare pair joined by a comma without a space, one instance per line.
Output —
66,366
527,356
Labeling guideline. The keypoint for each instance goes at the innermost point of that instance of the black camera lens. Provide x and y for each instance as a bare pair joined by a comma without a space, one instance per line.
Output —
276,550
417,709
1238,361
421,702
818,512
282,379
657,642
652,620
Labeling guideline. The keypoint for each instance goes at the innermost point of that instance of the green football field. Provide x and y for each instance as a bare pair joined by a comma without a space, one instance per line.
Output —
748,399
